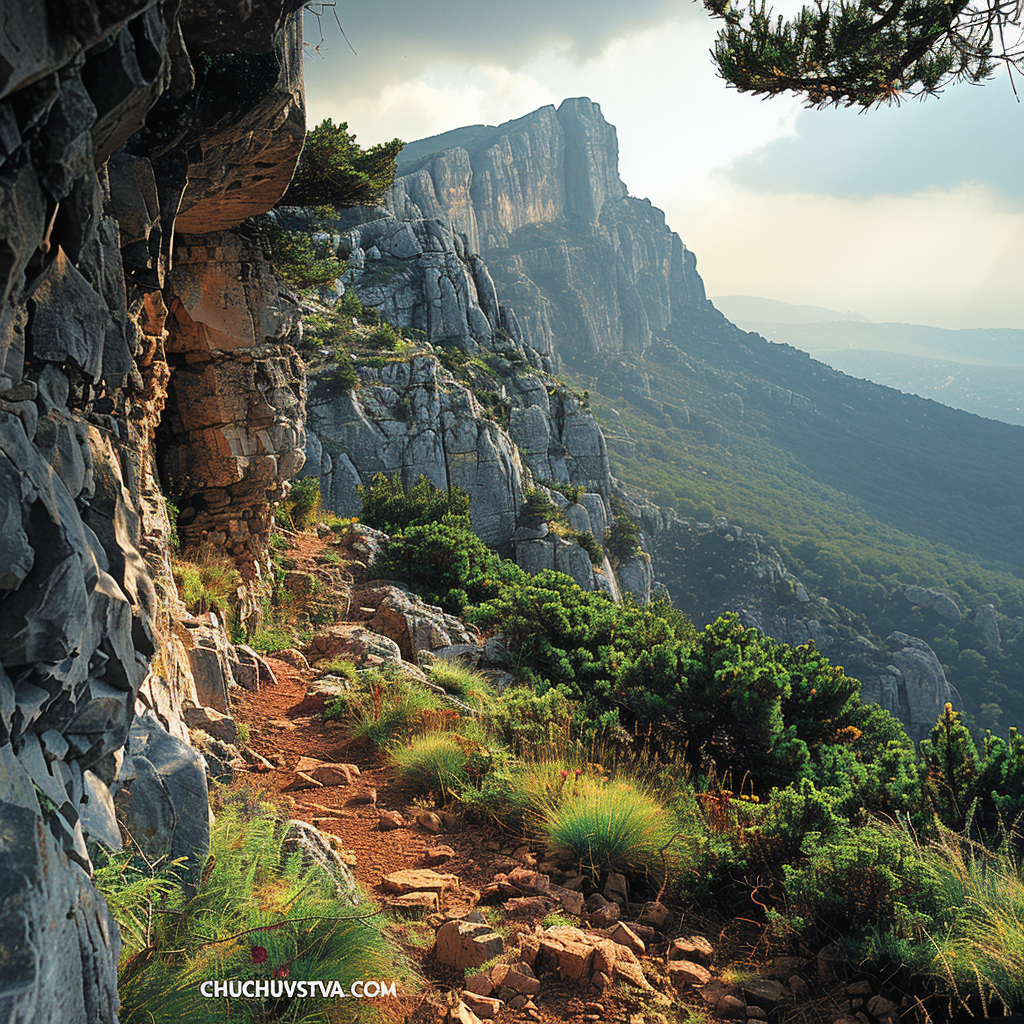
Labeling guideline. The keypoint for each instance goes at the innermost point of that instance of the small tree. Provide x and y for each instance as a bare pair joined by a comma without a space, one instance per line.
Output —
333,170
951,767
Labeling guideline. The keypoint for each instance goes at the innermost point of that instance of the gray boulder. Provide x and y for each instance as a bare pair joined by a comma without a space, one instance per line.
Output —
942,604
163,799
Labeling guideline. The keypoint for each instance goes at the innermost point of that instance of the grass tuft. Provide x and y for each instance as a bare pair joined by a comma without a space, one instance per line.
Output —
435,763
614,825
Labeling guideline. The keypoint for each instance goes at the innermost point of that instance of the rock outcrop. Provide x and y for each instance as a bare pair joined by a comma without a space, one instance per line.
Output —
719,567
121,124
603,276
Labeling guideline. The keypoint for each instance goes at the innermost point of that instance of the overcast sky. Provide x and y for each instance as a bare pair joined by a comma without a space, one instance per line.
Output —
912,214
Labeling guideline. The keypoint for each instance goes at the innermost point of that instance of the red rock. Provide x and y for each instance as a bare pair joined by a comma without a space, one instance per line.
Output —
528,880
465,944
519,978
526,906
302,781
480,984
484,1007
731,1008
415,903
606,915
685,973
438,854
625,936
390,820
571,900
693,947
418,880
657,915
462,1014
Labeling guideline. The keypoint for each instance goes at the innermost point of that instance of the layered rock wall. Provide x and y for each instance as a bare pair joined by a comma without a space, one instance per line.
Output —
588,268
116,119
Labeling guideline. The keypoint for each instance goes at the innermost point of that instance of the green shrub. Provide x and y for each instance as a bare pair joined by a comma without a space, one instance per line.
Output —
303,258
333,169
301,506
447,563
523,718
384,338
589,544
538,507
434,763
872,878
622,538
390,506
279,637
341,667
614,825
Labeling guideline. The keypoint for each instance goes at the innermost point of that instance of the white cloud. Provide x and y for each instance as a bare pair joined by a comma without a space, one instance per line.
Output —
949,258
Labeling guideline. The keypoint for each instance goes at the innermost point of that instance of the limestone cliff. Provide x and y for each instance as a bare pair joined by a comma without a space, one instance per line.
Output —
142,342
586,267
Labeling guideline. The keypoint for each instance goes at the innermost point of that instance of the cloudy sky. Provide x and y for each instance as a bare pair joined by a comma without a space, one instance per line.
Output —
912,214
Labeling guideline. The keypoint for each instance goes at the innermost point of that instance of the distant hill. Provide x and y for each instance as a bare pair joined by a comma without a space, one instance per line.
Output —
996,392
980,346
751,307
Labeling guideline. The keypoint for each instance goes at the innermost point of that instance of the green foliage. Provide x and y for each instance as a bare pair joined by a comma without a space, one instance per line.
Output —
978,941
257,911
460,680
950,761
208,581
278,637
341,667
301,506
385,710
604,825
132,891
589,544
390,506
867,879
433,763
622,538
334,170
446,563
303,258
523,718
858,54
538,507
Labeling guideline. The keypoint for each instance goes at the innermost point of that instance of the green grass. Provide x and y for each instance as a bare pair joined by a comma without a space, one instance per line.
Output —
434,763
460,680
385,711
257,912
208,581
605,825
980,953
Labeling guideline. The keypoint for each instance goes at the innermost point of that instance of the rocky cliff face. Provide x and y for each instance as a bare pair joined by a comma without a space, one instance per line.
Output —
128,350
418,261
719,567
588,268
